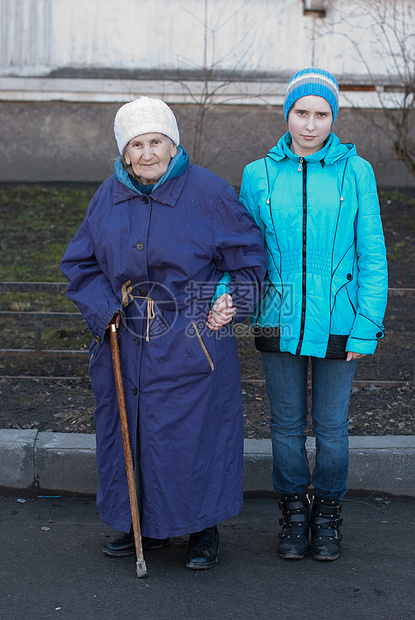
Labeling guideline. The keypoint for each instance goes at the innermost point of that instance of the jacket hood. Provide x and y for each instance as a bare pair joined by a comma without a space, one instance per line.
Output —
332,151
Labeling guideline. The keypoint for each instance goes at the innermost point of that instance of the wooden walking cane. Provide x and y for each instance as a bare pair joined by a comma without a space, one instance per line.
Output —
140,564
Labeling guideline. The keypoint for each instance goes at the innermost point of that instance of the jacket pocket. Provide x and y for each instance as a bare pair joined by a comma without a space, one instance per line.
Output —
343,313
199,347
350,301
270,306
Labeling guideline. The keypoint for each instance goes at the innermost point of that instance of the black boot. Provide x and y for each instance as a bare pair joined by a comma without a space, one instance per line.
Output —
203,549
124,545
325,534
295,522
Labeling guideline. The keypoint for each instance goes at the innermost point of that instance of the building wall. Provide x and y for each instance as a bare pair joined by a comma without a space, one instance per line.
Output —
39,37
67,65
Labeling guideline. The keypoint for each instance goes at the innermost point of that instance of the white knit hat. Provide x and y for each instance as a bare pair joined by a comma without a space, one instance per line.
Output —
144,115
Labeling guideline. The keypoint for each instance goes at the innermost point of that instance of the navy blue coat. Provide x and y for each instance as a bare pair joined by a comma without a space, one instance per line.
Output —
158,258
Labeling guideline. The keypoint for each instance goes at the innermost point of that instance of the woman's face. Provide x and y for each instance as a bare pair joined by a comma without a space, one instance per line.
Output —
149,155
309,122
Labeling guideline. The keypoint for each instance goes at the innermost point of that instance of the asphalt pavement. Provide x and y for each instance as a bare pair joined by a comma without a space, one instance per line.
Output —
52,566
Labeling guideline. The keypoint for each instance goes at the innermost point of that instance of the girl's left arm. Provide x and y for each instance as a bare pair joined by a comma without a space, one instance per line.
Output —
371,266
240,251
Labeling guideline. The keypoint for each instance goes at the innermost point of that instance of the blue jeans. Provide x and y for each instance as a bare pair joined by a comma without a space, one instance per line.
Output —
286,379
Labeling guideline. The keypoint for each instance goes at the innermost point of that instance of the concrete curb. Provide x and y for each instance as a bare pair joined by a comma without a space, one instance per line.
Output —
45,463
385,464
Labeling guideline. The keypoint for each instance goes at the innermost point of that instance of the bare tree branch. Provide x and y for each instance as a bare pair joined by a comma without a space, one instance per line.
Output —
214,81
392,34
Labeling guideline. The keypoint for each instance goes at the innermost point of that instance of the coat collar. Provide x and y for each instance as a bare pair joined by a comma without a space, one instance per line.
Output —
332,151
167,194
177,166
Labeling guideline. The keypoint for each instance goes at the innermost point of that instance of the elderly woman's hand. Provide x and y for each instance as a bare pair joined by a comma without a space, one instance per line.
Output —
221,313
115,319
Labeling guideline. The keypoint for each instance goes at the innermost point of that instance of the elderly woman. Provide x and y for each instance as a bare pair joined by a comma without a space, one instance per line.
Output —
157,237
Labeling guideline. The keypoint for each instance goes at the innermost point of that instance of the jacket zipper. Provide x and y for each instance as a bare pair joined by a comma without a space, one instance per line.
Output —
303,165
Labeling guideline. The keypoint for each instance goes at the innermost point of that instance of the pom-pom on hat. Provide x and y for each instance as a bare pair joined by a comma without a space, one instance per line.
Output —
312,81
144,115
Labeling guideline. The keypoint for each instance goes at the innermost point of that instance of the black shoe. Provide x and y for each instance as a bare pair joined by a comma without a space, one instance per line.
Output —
324,525
124,545
295,521
203,549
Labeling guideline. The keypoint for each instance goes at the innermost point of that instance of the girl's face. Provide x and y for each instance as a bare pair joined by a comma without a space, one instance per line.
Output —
149,155
309,122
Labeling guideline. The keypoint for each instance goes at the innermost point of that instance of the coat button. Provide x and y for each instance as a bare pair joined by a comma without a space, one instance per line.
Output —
349,276
379,335
138,341
140,246
97,338
146,200
143,293
135,391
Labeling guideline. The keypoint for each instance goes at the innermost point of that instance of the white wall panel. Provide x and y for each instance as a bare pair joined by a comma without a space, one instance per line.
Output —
38,36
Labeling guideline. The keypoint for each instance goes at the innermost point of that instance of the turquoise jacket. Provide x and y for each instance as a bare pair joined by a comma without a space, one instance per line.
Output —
327,273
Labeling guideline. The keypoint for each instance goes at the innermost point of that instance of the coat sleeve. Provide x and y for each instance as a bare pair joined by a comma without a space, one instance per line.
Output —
88,287
372,268
239,251
249,203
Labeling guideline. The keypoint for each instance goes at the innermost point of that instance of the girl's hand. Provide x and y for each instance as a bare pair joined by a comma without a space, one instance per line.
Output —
221,313
353,356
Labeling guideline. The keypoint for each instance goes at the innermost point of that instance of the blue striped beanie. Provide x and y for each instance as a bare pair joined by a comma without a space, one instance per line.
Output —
312,81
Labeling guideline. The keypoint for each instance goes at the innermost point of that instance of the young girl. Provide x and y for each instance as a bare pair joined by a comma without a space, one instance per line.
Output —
324,299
